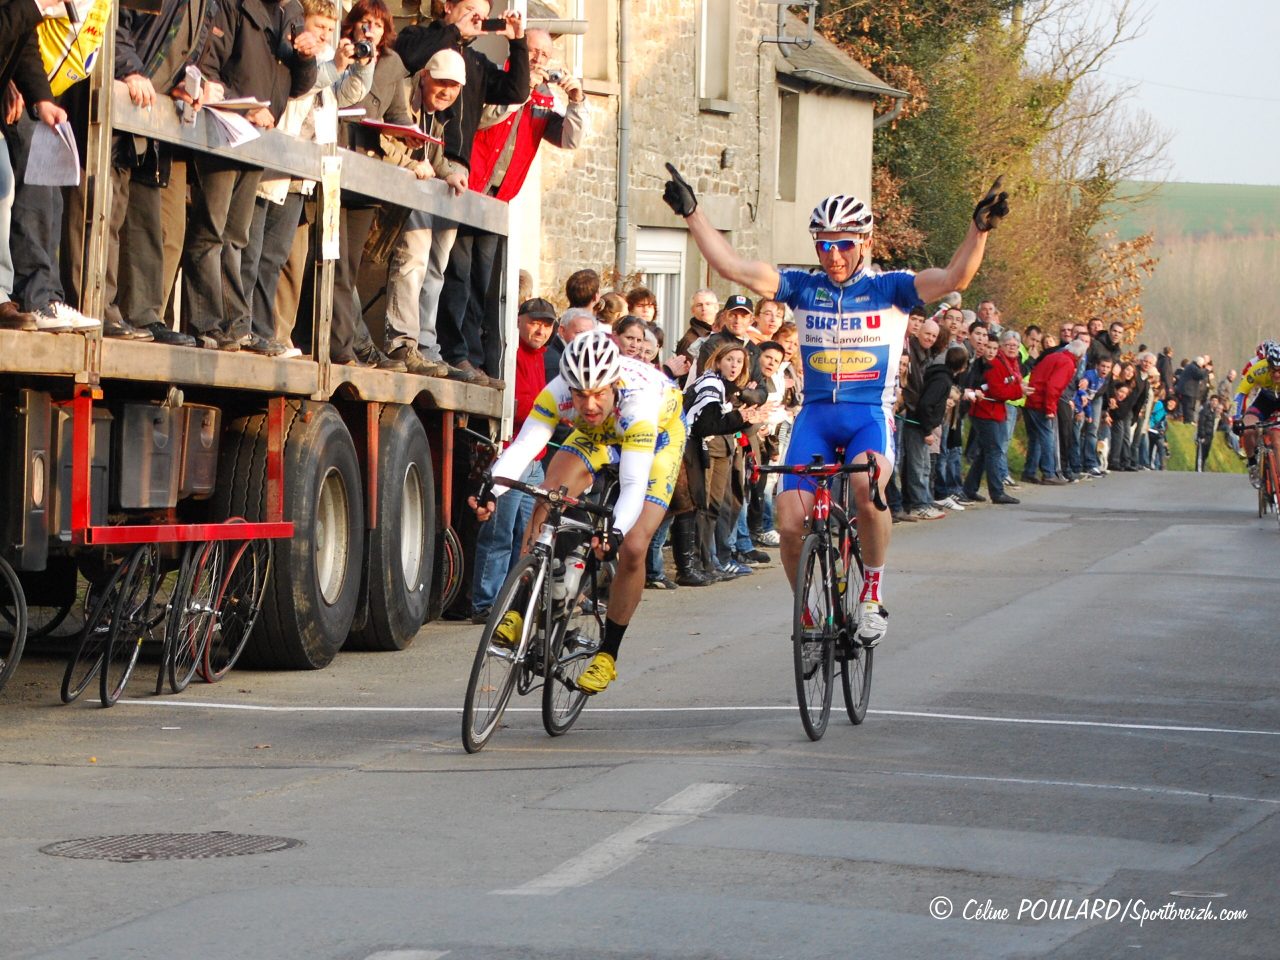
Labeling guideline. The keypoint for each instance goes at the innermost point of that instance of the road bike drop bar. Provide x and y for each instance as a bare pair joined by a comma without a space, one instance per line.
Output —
558,498
817,467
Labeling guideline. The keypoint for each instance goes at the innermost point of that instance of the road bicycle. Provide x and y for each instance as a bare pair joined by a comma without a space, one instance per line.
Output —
547,622
1268,468
828,584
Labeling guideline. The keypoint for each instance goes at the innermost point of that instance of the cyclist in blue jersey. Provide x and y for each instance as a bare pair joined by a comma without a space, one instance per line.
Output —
852,321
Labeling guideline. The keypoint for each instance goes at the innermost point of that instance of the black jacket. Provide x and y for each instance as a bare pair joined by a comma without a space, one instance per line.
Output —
1102,347
486,81
932,406
716,340
251,52
19,54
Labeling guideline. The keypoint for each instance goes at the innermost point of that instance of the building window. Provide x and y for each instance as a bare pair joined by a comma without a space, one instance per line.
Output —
594,55
788,136
660,261
715,48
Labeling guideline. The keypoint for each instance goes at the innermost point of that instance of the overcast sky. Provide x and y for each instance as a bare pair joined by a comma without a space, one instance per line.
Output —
1210,75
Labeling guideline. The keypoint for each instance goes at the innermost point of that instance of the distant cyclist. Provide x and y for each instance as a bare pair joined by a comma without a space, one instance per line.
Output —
852,320
617,406
1260,381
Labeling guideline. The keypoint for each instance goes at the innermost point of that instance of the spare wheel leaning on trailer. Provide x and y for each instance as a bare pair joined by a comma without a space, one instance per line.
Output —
315,577
401,549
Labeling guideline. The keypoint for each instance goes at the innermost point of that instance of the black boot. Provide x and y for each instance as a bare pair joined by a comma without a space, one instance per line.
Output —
684,546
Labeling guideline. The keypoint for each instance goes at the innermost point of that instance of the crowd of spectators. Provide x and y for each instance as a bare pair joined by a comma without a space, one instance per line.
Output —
206,251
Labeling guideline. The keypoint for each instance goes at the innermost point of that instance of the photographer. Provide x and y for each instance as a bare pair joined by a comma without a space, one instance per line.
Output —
503,151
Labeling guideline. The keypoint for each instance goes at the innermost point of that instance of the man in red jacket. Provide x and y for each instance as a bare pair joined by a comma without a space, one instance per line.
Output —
1001,383
1049,378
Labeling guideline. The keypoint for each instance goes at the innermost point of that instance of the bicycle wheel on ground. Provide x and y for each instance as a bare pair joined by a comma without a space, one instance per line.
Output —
574,641
236,609
131,622
190,622
13,622
503,645
86,660
855,659
813,638
1272,483
1264,496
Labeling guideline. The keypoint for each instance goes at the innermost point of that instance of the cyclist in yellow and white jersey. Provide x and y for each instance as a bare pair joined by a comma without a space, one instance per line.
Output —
613,403
1261,382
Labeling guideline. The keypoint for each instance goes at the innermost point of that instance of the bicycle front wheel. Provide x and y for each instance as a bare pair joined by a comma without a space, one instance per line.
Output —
194,605
86,661
813,638
239,603
575,640
130,622
855,665
503,645
13,630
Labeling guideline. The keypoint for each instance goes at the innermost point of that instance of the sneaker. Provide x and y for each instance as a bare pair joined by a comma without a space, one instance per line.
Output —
769,538
68,317
1095,472
290,353
217,340
480,616
661,583
1010,482
754,556
928,513
252,343
507,633
949,503
415,362
469,373
601,672
735,569
160,333
873,622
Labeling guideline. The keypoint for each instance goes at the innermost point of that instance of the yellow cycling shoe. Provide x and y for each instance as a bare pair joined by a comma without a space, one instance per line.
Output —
598,675
507,633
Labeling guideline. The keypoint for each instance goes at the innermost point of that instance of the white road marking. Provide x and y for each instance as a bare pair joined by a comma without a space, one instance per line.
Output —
619,849
407,955
1081,785
913,714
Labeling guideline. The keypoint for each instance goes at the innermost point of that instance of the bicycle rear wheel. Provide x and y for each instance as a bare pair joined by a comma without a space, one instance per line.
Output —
191,621
1271,483
574,641
130,622
86,661
237,607
855,659
813,639
493,673
13,636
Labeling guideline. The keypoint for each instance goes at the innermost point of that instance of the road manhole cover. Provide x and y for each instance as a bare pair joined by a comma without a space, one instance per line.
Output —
135,847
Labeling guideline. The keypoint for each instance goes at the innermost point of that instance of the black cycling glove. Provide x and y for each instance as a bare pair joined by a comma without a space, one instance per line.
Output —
610,544
992,208
678,194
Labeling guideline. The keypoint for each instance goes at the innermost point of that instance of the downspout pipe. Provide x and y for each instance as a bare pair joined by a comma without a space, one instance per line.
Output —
891,116
620,252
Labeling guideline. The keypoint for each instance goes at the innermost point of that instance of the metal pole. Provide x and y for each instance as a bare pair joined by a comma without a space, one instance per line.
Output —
620,254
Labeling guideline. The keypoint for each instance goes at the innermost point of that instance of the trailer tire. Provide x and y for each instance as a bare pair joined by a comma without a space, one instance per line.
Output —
315,583
400,552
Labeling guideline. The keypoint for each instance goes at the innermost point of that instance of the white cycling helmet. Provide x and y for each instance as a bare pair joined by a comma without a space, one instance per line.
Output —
842,213
1263,347
591,361
1272,354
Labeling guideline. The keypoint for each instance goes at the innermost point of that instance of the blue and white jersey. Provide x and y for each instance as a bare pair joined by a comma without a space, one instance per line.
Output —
850,334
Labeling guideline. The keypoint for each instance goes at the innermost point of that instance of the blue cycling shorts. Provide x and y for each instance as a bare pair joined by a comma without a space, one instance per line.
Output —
821,427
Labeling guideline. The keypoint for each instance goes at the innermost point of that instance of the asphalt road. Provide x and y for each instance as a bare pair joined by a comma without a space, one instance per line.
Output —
1074,719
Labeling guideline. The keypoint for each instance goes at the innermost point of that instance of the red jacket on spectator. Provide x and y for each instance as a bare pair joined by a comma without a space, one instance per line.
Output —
1003,382
1049,378
531,377
535,121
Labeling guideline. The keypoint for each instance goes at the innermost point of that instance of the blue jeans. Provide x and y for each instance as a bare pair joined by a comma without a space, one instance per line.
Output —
742,541
653,568
915,468
499,541
988,457
1042,428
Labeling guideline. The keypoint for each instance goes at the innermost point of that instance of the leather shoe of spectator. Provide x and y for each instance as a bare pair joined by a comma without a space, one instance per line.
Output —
119,330
170,338
1053,481
11,318
1005,498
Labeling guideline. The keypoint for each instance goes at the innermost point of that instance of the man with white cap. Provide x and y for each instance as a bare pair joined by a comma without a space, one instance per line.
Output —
416,271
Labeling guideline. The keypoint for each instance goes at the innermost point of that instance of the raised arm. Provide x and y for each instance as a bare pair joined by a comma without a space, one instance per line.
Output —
756,275
936,282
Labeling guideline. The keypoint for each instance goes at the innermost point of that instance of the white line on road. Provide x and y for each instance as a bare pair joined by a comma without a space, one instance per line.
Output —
913,714
408,955
619,849
1080,784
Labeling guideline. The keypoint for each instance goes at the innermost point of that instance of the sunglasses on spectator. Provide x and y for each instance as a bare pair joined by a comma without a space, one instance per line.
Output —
844,246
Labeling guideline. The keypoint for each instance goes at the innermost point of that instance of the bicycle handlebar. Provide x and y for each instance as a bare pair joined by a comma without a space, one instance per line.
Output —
558,497
817,467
